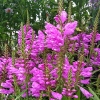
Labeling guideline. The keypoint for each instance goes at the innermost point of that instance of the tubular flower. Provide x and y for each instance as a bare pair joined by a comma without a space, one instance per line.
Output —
85,92
56,95
7,87
61,18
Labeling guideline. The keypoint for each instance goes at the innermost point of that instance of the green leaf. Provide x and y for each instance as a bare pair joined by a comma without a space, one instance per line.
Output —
95,97
20,95
64,98
79,94
4,1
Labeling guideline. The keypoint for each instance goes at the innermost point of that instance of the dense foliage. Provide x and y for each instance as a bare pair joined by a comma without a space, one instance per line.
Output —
40,11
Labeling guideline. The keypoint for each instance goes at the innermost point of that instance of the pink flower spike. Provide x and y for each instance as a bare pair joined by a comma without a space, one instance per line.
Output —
70,28
85,92
63,16
56,18
56,95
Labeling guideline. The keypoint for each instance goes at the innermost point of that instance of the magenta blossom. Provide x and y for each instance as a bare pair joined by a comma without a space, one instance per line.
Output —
85,92
7,87
61,18
56,95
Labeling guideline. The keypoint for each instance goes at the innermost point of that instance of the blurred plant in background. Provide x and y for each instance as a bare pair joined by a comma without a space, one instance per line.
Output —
13,12
94,6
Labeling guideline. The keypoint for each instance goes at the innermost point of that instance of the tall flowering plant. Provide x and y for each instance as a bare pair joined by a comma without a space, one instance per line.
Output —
46,66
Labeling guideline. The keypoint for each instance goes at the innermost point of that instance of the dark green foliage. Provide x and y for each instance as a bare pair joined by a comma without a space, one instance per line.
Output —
39,12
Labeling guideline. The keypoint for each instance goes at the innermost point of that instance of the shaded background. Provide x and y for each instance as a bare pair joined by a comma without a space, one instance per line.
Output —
13,12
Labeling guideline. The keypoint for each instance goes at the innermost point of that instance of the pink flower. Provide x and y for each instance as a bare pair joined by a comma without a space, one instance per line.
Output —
85,92
61,18
86,72
8,10
85,81
5,91
6,84
70,28
8,87
56,95
97,37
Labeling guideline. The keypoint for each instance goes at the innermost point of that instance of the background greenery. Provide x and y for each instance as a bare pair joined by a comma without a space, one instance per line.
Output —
39,12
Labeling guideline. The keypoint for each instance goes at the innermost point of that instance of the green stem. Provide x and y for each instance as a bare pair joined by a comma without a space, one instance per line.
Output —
69,11
60,6
95,71
69,98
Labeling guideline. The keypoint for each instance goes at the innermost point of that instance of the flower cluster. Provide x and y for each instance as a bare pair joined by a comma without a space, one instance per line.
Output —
72,71
48,61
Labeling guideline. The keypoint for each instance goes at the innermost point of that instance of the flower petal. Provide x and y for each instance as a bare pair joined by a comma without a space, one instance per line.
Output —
85,92
56,95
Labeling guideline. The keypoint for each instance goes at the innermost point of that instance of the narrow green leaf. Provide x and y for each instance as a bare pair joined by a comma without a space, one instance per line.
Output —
95,71
94,94
20,95
79,95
